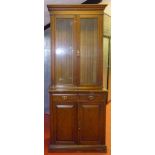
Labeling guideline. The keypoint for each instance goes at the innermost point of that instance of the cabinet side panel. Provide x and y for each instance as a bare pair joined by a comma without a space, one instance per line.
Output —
52,50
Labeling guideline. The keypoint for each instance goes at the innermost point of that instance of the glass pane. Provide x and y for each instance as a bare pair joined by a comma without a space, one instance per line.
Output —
64,51
88,51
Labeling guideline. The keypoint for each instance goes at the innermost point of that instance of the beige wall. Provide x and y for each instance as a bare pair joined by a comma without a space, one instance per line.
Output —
108,8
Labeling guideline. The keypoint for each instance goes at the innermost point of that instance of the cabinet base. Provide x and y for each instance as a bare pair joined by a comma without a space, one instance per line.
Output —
77,148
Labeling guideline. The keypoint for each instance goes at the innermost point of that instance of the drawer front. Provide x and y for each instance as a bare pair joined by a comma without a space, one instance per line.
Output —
64,98
91,97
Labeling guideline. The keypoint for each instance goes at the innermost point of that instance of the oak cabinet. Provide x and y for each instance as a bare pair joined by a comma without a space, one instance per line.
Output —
77,98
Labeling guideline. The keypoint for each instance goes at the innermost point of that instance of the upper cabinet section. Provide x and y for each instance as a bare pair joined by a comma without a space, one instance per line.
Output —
77,46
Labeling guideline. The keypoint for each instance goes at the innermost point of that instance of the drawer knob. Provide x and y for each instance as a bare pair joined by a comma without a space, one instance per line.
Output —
64,97
91,97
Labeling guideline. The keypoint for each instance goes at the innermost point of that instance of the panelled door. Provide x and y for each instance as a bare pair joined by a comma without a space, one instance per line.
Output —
90,125
65,123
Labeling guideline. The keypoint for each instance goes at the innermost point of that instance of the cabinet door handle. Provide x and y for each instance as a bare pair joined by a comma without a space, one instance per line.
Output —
91,97
64,97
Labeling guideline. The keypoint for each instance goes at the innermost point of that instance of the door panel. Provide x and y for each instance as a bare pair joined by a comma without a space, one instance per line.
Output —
89,56
64,50
65,120
90,123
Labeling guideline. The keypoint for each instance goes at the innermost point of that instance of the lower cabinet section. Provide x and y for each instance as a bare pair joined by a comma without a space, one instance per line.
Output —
78,122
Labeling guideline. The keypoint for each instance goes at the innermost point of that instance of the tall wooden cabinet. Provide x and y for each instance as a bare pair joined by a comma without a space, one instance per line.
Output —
77,98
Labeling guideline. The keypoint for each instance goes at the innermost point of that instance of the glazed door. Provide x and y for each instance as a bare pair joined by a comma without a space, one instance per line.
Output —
91,123
77,47
65,123
90,45
64,50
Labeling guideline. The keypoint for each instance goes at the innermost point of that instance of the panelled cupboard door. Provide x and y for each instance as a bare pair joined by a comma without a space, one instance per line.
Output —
64,51
91,123
89,47
65,123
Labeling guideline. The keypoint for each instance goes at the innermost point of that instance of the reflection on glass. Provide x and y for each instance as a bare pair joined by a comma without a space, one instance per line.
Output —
88,51
64,51
60,51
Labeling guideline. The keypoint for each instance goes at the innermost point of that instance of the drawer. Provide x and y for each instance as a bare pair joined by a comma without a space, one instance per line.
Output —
64,98
91,97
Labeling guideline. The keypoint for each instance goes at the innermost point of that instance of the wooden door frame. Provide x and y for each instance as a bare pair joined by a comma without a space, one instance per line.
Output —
53,42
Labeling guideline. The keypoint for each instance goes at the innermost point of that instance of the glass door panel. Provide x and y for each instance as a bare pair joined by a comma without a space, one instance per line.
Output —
64,55
88,51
